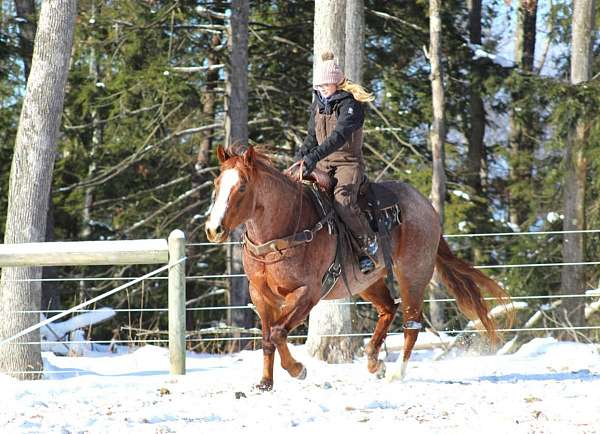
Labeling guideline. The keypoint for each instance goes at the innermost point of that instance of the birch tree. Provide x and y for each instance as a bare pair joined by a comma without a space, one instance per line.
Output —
30,180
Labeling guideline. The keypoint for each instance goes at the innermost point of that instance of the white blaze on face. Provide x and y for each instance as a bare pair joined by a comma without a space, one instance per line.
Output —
228,180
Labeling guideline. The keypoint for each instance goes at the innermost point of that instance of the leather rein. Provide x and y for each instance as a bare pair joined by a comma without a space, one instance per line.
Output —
279,245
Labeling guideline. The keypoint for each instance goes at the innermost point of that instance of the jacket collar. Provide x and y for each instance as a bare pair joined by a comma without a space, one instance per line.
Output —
327,105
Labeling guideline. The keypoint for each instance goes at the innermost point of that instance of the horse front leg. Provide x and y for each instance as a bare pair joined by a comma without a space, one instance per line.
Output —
268,347
265,312
296,308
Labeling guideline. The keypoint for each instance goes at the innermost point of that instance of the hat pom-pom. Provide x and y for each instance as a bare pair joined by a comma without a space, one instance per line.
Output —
327,55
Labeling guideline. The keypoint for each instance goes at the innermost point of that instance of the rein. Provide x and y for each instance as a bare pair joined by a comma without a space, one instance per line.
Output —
279,245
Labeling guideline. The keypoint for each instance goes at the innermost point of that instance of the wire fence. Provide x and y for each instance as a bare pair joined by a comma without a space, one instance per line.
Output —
216,335
305,336
589,294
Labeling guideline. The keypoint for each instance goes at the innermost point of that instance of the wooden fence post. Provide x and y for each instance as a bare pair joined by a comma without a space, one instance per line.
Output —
177,302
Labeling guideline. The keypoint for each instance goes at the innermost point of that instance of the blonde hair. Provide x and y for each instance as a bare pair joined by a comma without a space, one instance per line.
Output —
358,92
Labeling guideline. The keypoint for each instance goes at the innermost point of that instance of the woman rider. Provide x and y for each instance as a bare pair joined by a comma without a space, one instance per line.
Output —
334,144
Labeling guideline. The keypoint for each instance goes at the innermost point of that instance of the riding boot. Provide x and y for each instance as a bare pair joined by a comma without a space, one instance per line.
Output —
368,250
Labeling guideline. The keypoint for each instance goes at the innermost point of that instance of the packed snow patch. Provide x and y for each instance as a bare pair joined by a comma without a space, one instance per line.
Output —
547,387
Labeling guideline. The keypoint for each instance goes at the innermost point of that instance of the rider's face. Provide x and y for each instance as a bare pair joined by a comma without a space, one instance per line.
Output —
326,90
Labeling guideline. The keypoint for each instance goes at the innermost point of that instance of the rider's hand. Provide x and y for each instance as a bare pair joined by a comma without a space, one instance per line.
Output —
310,161
300,153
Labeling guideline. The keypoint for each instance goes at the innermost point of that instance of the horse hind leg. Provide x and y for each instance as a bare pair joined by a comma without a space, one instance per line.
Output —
412,325
379,296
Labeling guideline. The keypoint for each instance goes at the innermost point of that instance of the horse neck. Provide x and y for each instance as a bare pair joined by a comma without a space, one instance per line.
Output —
282,207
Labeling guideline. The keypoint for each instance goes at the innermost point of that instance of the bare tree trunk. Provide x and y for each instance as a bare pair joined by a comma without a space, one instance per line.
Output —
236,132
355,40
330,30
330,317
572,277
27,28
353,69
30,180
476,151
96,141
476,166
50,289
521,144
198,177
26,23
208,108
97,133
437,136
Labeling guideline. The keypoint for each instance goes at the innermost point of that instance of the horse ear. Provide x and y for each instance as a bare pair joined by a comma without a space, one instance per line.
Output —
249,156
222,154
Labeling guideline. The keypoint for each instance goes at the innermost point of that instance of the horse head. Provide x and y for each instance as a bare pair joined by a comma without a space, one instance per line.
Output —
233,196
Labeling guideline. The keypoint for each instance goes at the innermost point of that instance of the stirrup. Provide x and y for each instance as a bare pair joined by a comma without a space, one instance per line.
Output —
366,264
372,246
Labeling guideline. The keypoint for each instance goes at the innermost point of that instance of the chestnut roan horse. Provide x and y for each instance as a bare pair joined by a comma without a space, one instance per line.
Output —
286,284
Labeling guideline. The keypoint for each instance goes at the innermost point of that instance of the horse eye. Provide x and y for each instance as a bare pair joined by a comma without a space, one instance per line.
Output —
242,188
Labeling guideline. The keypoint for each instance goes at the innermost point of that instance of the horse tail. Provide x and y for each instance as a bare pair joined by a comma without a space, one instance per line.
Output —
465,283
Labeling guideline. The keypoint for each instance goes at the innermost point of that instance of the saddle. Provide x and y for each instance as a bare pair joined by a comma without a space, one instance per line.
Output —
379,204
374,199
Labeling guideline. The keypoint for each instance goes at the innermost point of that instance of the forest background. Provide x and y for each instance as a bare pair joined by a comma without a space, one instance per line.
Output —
145,109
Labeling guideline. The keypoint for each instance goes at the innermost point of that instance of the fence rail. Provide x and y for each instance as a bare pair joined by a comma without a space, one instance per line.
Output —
113,253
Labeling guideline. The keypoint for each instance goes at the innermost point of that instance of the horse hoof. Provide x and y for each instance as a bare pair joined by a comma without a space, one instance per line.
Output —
264,386
302,374
380,370
400,374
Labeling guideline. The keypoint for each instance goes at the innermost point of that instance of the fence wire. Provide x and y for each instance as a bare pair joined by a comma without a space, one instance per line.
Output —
590,294
191,340
303,336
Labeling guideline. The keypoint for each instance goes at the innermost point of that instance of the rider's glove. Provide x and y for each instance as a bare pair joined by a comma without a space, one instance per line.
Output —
310,161
300,153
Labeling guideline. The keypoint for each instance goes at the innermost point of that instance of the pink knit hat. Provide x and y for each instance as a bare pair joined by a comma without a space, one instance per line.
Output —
328,71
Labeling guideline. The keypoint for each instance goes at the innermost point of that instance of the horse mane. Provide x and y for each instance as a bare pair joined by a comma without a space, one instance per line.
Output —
260,162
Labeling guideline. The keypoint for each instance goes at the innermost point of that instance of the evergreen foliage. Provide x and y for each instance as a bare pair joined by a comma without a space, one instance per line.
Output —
128,135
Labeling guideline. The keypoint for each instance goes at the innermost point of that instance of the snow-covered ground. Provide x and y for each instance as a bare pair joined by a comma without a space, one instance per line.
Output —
546,387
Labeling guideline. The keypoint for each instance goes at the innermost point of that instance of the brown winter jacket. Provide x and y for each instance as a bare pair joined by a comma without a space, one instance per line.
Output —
335,127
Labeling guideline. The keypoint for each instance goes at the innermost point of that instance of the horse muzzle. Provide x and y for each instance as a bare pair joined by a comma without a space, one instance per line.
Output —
216,235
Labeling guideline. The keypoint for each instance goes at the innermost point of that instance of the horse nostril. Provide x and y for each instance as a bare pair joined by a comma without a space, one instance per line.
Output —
214,234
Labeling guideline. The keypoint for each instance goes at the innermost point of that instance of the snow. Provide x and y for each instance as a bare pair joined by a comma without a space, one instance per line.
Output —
461,194
479,52
553,217
545,387
53,336
513,226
